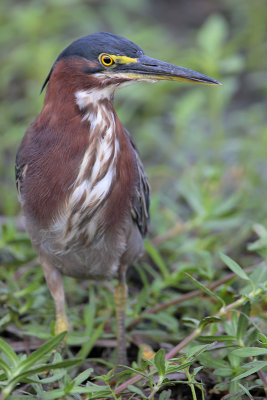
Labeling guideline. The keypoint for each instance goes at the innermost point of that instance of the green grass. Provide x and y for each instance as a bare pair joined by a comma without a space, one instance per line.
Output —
204,149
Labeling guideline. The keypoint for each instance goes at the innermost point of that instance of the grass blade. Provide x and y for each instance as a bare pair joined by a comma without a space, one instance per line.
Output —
87,347
159,361
249,352
243,321
234,266
156,257
38,370
43,350
9,352
258,366
204,289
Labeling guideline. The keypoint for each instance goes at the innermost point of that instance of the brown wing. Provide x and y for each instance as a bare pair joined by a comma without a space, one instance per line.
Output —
140,205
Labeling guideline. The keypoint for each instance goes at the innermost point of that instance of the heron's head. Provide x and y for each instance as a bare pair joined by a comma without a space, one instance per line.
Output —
103,60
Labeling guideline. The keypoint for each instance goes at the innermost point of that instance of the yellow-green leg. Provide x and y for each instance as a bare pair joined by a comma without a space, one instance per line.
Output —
54,281
120,298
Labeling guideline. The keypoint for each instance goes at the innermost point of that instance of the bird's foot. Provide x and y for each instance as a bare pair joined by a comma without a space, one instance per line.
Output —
61,326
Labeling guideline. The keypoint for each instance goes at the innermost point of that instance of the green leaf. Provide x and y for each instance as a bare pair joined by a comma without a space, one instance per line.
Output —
175,368
263,340
209,361
54,378
259,365
134,370
136,390
159,361
227,371
156,257
9,352
213,33
204,289
68,384
38,370
227,205
245,390
249,352
83,376
234,267
196,350
42,351
3,377
243,321
165,395
191,322
89,312
192,194
54,394
261,243
208,320
87,347
5,367
216,338
196,371
165,319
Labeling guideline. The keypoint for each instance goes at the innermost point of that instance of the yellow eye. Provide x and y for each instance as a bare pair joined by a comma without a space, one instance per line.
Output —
106,60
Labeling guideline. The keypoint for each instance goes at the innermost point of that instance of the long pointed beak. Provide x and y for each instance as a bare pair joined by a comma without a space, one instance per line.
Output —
147,68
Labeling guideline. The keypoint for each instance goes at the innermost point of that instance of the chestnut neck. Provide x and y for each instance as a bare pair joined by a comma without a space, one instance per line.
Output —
61,139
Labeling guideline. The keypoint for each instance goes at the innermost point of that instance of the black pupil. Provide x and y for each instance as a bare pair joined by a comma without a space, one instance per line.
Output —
107,60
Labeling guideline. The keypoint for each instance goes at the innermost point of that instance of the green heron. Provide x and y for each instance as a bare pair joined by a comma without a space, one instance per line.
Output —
81,183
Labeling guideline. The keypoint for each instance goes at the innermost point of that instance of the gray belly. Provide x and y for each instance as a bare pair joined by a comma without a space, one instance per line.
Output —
97,259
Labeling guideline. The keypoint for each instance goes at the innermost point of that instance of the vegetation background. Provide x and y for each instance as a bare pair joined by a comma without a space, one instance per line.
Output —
205,152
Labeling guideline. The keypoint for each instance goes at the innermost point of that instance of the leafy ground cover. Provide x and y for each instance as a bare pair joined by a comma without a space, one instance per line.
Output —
196,315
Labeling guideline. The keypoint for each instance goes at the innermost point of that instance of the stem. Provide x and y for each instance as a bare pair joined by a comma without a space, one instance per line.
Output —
185,297
197,332
261,375
7,391
263,379
154,391
192,386
131,381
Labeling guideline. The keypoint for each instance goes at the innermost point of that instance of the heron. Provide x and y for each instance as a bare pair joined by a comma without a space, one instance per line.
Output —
80,179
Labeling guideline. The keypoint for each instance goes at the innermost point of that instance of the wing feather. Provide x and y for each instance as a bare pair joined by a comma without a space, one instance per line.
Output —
140,205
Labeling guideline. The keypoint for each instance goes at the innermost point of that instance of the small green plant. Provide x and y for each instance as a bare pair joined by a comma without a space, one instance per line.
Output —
17,369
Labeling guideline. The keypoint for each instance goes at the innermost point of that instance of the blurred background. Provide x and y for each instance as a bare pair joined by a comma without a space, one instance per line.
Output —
205,152
204,148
